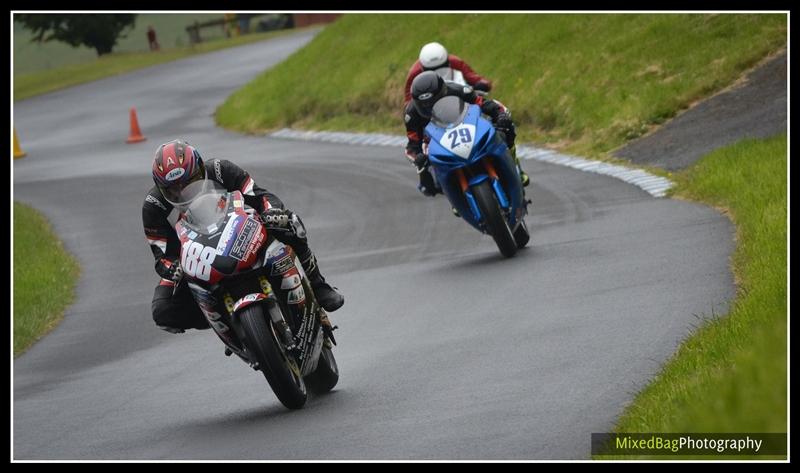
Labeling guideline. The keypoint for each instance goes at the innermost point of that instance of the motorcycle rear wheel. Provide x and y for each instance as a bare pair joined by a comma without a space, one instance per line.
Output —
521,235
281,371
325,377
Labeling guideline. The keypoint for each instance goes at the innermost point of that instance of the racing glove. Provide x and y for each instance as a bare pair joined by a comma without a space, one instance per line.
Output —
482,85
285,226
277,219
174,272
506,126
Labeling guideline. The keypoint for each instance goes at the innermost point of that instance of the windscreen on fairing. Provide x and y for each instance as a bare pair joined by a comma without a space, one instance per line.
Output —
449,111
208,206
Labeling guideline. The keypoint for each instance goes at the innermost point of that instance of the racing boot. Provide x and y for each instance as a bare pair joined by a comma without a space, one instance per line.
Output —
523,176
328,298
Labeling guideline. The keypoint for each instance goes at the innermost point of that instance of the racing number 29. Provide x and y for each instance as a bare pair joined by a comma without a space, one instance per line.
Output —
462,133
197,260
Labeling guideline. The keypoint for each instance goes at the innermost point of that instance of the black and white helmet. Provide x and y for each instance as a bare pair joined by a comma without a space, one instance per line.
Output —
426,89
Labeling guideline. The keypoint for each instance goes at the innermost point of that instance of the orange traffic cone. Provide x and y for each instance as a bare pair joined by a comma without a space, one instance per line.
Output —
136,134
18,153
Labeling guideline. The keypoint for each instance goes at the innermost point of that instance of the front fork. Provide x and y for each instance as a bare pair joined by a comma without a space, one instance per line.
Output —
465,184
286,271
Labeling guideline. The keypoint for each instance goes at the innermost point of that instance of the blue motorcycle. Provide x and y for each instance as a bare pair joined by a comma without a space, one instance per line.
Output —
475,170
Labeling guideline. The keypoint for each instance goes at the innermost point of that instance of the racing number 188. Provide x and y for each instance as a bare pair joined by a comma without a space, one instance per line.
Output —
197,260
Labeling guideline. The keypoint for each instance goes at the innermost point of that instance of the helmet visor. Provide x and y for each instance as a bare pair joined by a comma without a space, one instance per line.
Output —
182,194
424,102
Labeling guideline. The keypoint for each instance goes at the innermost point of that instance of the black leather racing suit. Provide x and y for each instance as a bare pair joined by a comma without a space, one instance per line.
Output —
180,311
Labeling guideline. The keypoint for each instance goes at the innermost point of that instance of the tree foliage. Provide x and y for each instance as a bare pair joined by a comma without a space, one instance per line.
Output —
95,30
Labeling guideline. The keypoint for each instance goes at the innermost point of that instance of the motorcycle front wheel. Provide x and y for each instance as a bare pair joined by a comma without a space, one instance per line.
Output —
495,221
280,369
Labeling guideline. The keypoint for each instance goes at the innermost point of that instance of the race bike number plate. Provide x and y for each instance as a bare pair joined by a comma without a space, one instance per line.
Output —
459,140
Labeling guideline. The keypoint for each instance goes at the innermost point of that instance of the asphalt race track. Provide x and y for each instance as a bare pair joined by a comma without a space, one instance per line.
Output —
446,349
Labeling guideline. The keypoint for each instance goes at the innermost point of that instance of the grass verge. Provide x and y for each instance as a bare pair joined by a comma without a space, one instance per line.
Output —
36,83
582,83
730,375
44,277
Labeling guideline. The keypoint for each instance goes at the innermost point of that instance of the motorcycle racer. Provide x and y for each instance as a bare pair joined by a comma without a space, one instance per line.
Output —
433,56
426,89
177,164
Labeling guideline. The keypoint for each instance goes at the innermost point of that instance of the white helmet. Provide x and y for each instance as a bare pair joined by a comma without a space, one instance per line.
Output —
433,55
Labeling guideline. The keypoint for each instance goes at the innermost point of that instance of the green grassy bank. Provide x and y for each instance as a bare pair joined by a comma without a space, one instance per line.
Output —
730,376
44,277
583,83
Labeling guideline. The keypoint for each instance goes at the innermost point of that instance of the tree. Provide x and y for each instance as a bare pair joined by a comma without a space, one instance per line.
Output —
95,30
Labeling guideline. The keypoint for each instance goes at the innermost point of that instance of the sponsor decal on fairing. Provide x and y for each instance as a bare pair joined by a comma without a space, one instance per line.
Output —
281,265
248,299
291,281
296,296
206,301
226,239
242,247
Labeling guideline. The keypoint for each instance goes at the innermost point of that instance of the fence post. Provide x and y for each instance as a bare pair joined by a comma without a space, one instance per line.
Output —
194,33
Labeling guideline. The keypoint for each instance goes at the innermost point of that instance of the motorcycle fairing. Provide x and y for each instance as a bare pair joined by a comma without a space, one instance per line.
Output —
463,146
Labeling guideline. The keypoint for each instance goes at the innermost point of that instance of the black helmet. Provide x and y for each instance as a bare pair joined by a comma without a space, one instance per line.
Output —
426,90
